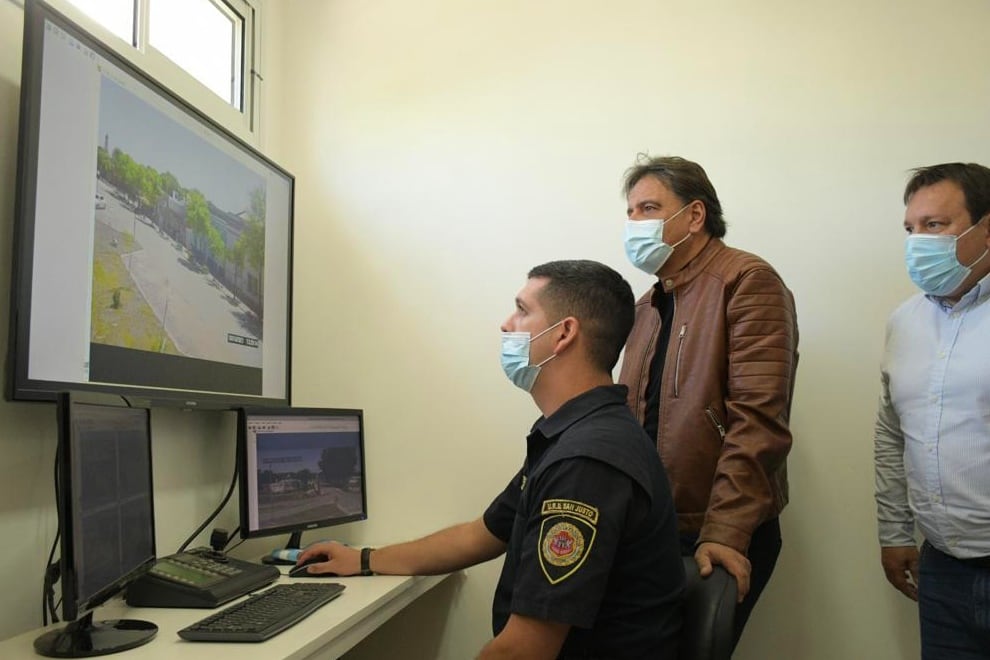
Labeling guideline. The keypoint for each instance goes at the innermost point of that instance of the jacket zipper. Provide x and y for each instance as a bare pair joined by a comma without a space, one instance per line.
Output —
718,425
677,363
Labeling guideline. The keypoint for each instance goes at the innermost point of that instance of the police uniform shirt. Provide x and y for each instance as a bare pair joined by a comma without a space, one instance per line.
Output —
591,533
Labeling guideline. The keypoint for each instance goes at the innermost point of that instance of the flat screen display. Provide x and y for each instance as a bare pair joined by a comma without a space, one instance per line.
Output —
107,510
300,468
106,521
153,249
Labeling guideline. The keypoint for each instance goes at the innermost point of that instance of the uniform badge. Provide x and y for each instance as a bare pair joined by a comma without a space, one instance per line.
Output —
567,535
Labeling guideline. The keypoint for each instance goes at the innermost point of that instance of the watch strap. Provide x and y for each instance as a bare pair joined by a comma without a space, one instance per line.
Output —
366,561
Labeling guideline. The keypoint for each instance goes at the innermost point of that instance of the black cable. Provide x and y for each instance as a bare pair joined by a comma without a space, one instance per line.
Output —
51,568
216,512
232,535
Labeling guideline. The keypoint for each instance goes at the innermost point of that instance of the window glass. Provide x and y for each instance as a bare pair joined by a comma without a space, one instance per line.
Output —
115,15
204,39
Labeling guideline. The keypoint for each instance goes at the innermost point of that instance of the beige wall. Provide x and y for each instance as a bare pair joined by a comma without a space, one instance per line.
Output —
193,452
443,147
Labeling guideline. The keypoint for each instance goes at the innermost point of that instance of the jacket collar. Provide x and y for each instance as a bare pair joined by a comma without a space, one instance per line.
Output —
696,266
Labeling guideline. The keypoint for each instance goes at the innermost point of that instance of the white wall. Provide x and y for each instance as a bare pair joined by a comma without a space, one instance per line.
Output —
193,452
443,147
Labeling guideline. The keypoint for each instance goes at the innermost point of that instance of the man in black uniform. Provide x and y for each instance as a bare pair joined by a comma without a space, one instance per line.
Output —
592,566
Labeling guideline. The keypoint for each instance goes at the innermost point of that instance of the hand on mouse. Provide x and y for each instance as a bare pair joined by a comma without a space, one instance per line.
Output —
330,557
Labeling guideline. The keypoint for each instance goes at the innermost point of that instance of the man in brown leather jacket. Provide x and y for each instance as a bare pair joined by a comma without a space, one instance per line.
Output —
710,366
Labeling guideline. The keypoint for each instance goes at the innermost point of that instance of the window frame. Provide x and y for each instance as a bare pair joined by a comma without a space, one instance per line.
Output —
245,122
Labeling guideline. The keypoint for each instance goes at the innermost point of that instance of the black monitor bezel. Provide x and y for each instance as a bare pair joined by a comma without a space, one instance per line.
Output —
242,468
19,386
72,606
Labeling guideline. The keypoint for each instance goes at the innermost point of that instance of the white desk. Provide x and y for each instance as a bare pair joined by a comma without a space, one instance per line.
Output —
331,631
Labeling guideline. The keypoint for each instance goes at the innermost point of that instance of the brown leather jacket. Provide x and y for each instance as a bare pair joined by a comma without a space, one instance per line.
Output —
725,393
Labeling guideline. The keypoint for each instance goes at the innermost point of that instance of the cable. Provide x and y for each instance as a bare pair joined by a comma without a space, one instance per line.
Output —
216,512
232,535
52,571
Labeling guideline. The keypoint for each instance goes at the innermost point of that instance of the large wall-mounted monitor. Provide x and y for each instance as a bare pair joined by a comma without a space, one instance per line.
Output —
300,469
153,249
106,521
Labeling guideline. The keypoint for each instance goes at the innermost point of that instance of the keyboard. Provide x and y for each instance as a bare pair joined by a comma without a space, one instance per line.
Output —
264,614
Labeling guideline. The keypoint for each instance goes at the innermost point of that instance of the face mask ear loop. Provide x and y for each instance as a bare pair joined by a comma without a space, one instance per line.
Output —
552,356
543,332
986,251
687,235
540,334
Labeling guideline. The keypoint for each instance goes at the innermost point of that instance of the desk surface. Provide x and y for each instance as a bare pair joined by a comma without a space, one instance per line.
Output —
331,631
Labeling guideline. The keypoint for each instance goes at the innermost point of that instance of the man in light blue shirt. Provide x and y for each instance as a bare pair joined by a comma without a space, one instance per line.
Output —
932,441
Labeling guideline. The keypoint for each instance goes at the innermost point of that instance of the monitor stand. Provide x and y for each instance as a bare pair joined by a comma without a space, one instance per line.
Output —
285,556
82,638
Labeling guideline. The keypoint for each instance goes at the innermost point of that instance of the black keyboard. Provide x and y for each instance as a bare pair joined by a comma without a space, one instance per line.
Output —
263,615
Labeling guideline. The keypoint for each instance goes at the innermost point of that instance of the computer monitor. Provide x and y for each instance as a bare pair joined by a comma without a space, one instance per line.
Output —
300,469
152,248
106,521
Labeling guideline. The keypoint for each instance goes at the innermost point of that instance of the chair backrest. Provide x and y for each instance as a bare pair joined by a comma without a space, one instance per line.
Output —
709,611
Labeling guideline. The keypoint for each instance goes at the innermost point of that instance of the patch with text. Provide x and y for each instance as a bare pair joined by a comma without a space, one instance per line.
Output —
567,534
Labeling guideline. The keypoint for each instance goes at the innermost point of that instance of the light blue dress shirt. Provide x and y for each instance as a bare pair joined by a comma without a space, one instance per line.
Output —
932,441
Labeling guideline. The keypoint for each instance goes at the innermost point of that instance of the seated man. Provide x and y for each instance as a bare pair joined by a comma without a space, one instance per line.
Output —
592,566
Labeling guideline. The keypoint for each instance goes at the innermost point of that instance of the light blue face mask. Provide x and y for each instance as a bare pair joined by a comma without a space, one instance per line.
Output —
515,358
644,243
932,262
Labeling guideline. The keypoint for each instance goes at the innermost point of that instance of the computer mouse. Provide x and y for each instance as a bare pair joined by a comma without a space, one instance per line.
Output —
301,571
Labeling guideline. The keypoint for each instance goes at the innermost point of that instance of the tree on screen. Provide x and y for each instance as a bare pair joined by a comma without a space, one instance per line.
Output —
337,464
198,219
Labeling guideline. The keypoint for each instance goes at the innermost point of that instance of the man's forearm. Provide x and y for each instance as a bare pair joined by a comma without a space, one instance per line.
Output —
448,550
895,522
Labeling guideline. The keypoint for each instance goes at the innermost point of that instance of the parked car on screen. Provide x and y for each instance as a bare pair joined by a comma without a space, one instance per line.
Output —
101,202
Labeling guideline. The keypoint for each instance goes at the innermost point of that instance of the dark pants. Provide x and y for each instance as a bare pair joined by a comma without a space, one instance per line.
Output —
764,548
954,607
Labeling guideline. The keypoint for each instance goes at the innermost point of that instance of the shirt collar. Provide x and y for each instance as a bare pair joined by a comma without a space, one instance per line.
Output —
577,409
976,295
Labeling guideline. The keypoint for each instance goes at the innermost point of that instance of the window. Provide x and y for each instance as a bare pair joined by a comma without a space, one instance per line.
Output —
199,48
204,39
115,15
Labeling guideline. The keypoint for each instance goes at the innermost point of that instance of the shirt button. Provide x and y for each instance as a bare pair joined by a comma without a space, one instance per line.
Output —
934,398
668,283
941,355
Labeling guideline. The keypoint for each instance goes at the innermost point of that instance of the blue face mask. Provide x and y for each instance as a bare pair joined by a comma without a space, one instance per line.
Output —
932,262
644,243
515,358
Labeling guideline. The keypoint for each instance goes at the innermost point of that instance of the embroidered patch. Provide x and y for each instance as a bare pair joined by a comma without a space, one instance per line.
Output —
565,542
572,507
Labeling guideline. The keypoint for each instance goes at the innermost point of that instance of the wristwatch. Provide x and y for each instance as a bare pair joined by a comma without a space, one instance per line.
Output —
366,561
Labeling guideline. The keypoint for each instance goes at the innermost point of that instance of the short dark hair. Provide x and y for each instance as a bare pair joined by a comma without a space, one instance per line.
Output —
685,179
597,297
974,180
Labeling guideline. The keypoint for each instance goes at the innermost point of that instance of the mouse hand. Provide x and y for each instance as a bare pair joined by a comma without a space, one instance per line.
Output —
336,558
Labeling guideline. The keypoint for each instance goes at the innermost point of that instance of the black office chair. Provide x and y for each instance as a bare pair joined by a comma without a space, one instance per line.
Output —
709,612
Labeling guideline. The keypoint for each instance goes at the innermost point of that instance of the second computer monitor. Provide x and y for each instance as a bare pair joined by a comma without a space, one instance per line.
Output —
300,469
106,520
